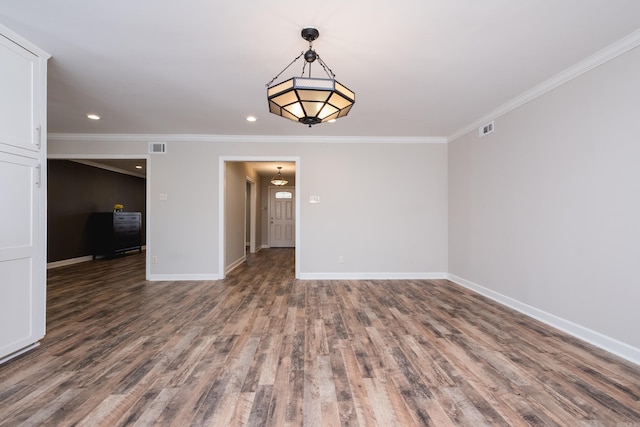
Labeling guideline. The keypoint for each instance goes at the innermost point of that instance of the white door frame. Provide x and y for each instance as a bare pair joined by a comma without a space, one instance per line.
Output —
252,215
221,189
146,158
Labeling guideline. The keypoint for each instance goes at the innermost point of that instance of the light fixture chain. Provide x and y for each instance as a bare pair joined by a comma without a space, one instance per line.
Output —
285,69
326,68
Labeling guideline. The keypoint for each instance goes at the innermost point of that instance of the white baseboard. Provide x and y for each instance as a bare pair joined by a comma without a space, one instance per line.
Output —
19,352
180,277
69,261
77,260
604,342
234,264
372,276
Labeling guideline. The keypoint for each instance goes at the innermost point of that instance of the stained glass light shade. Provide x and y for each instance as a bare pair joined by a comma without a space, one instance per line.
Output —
310,100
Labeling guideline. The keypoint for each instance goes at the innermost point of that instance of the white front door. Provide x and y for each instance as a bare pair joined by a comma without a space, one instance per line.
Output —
282,220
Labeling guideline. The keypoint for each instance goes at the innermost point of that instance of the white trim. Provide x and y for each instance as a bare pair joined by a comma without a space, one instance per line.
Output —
604,342
372,276
77,260
19,352
180,277
605,55
253,213
221,236
235,264
70,261
90,137
147,221
26,44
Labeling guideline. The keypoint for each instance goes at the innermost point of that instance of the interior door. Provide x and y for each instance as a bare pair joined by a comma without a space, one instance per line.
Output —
282,218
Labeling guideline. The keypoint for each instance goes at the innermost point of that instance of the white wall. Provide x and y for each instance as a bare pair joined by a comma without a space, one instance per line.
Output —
383,205
544,213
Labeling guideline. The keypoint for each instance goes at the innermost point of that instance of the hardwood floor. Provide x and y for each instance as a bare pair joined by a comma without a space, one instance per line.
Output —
262,349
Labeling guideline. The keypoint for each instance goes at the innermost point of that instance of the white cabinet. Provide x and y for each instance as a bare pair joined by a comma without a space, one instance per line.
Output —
22,194
19,82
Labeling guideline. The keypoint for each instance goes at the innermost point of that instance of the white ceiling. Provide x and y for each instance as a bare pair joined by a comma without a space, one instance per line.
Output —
419,68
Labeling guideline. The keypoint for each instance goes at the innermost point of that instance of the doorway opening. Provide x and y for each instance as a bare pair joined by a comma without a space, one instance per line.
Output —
122,164
223,221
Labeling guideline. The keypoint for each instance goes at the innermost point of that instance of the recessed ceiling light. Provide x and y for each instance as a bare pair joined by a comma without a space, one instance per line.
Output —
138,166
93,116
251,119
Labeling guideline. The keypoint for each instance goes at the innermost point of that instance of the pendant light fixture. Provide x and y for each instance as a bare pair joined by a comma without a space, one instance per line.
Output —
279,179
310,100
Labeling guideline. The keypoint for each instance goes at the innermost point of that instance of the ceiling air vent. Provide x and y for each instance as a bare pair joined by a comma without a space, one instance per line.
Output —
157,147
485,129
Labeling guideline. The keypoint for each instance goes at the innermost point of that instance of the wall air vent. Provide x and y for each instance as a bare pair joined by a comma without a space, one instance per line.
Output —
485,129
157,147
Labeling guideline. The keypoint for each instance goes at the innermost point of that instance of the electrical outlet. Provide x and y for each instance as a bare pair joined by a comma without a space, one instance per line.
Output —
163,196
340,259
154,260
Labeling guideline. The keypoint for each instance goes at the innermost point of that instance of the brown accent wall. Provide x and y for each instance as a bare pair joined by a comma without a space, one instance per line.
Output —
75,191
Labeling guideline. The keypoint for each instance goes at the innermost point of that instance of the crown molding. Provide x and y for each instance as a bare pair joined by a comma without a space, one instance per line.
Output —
17,38
605,55
92,137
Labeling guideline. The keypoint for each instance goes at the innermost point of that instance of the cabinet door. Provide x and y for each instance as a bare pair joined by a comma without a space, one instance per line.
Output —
19,80
22,295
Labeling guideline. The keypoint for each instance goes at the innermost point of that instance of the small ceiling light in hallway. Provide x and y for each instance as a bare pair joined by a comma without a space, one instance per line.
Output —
279,179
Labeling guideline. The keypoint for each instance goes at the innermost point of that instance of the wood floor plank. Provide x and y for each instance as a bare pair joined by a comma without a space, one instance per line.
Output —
358,391
260,348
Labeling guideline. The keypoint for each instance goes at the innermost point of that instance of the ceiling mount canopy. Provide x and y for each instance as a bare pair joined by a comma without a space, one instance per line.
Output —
278,179
310,100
